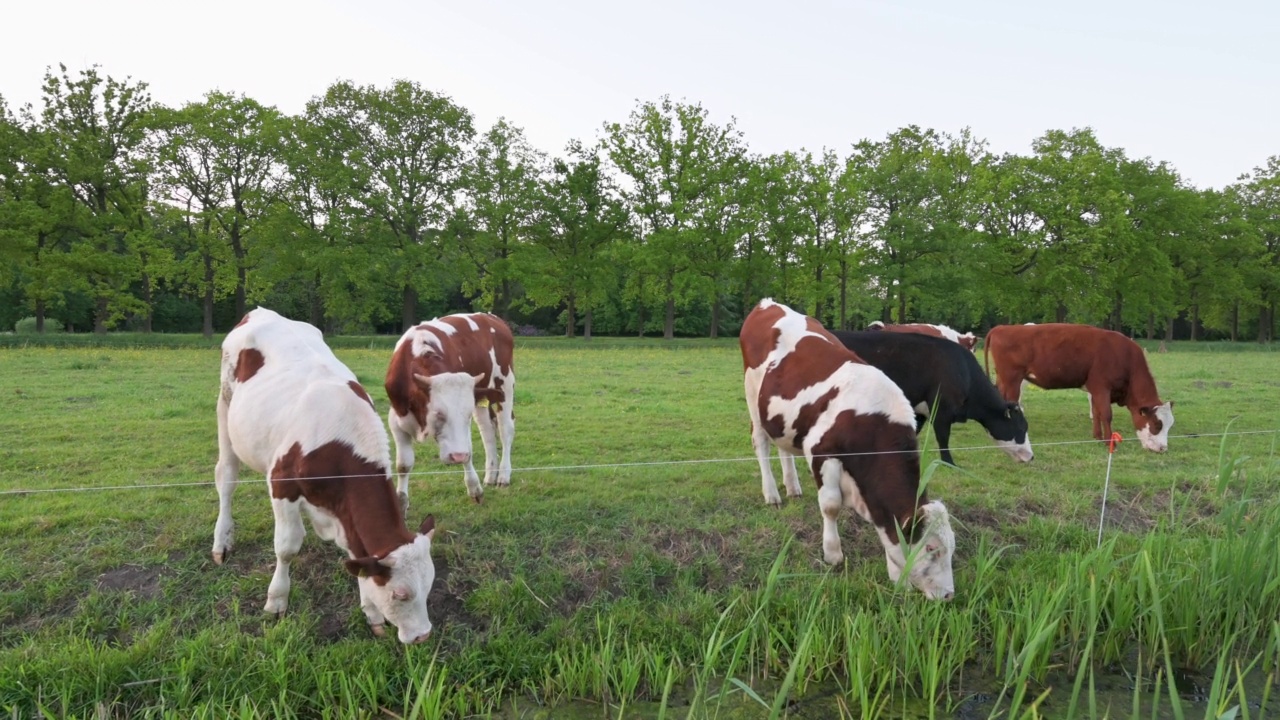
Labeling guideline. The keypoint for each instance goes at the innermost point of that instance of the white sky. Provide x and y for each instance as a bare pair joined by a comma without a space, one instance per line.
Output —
1194,83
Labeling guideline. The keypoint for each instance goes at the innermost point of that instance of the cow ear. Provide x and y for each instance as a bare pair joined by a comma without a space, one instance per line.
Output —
428,526
368,567
424,381
1146,411
1171,405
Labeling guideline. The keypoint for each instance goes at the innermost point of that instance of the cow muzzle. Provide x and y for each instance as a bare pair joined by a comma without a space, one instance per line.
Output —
457,458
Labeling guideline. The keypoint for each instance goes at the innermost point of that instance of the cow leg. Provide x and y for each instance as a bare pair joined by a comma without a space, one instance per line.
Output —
225,474
790,479
760,441
1101,405
472,480
404,459
830,501
942,431
489,438
371,612
289,534
507,426
1010,385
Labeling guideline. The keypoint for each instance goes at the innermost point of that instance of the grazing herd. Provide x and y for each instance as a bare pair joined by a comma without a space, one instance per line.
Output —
850,403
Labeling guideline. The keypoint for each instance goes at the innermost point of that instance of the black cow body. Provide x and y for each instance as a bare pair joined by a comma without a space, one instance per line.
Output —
948,381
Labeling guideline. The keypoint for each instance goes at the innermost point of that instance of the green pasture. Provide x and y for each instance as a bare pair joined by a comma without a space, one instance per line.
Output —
632,568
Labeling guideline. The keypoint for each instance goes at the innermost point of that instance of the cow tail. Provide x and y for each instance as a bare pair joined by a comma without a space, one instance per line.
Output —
986,355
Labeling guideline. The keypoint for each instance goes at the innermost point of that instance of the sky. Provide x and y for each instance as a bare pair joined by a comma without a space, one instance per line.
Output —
1196,84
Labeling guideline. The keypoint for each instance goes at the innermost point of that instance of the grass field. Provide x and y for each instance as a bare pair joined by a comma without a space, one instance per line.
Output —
611,580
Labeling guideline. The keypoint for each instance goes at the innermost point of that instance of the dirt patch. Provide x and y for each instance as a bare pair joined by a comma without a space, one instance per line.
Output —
80,400
1223,384
1199,385
141,580
446,603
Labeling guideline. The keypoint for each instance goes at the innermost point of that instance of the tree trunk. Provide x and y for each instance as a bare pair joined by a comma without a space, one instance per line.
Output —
1264,323
1060,314
817,280
40,316
902,304
146,298
100,316
1168,329
315,308
242,275
669,322
715,316
1151,325
1235,321
640,318
586,324
1195,322
571,319
408,307
207,302
844,296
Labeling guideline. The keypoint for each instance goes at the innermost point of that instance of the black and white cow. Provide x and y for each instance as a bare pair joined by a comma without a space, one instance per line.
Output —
943,378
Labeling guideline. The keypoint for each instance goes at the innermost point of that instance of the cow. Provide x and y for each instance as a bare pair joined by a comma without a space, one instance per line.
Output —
809,395
966,341
443,373
940,377
288,408
1106,364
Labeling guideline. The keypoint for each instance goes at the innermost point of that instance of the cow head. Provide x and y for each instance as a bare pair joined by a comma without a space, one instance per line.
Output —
968,342
930,560
451,398
1009,430
1153,423
399,583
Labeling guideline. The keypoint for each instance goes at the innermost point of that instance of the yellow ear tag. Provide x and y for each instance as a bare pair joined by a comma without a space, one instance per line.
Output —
484,403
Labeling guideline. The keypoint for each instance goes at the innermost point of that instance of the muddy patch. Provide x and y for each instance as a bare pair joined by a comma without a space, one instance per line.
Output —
1223,384
143,581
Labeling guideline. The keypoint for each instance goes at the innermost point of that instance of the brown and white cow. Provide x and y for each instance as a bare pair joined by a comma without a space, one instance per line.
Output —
966,341
291,410
444,373
809,395
1106,364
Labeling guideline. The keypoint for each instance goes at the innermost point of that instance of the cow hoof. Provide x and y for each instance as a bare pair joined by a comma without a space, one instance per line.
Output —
220,557
833,559
793,494
276,607
378,630
774,501
477,498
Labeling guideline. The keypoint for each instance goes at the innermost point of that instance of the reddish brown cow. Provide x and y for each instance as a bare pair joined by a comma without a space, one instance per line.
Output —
1109,366
966,341
443,373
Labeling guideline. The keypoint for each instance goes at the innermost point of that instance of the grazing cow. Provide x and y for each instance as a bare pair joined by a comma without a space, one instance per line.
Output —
291,410
938,376
1106,364
809,395
445,372
966,341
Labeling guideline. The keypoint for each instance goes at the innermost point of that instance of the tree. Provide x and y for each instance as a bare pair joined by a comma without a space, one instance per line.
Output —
672,158
502,184
581,215
94,144
400,154
1258,194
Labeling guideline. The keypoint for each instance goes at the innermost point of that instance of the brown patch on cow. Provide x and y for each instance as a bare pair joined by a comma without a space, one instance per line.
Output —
883,459
143,581
249,362
359,390
357,491
244,319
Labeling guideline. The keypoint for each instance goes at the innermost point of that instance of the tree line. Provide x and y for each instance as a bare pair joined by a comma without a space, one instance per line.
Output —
376,207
